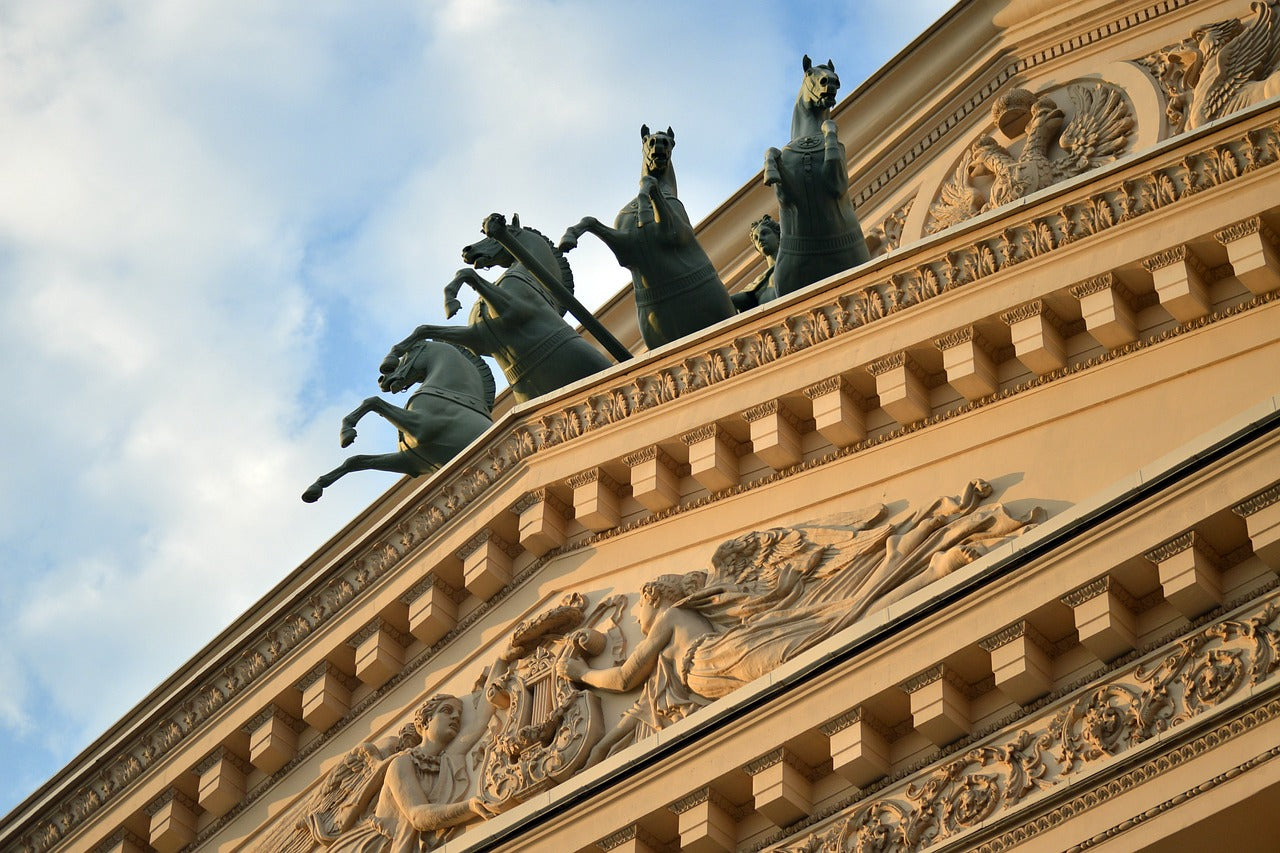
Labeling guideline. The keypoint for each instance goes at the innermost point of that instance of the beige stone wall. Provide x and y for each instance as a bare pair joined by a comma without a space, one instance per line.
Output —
1086,349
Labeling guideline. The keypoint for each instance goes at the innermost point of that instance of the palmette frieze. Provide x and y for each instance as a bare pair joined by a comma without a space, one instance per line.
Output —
1216,164
1263,499
1065,742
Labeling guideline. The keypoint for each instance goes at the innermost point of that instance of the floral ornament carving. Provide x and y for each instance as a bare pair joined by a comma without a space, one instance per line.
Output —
1219,663
887,236
1219,69
1079,217
990,175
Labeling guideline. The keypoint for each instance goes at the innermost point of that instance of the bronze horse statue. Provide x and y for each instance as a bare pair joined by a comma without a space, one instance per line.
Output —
447,412
820,232
677,290
518,319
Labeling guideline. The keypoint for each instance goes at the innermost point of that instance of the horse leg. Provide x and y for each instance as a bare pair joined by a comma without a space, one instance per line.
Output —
467,336
397,463
348,432
614,240
499,299
466,275
834,171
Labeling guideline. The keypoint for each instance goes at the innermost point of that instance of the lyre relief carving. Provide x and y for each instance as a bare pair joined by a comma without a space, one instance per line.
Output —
1042,147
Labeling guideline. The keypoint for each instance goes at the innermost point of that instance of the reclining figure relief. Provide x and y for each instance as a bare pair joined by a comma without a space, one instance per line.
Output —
773,594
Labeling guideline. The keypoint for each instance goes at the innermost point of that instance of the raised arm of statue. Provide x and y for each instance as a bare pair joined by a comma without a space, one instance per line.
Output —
632,672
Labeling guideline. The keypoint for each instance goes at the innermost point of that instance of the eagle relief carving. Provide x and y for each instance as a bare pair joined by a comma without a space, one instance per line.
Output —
1043,146
1219,69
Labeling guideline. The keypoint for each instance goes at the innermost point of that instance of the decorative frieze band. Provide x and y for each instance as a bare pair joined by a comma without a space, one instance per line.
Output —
429,581
941,672
770,408
1017,630
595,475
379,624
634,832
1095,588
1178,254
1258,502
266,714
1245,227
1036,308
219,755
1169,180
171,795
328,668
704,795
475,543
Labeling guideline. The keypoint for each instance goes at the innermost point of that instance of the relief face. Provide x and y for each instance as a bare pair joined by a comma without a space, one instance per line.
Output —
764,598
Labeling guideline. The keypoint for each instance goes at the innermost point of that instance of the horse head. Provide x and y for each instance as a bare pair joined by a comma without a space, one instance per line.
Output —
657,150
820,84
397,374
489,252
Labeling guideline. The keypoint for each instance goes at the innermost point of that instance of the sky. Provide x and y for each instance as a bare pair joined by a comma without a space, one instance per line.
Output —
217,216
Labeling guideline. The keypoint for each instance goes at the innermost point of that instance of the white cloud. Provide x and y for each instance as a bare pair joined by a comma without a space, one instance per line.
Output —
217,218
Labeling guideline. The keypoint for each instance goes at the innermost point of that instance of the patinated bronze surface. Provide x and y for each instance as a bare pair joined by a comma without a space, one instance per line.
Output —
516,320
820,232
449,409
765,235
677,290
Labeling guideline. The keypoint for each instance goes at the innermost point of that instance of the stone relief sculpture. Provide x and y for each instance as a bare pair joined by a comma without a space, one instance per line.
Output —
766,597
887,236
517,320
449,409
771,595
677,290
404,796
990,174
1219,69
765,236
820,231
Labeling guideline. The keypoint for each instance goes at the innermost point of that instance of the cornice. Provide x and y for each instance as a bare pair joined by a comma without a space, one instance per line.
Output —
1173,176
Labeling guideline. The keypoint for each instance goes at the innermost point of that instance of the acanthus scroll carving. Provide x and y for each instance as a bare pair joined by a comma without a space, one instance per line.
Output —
1219,663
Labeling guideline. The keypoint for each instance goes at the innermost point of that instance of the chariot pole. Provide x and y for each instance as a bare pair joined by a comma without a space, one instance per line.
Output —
548,280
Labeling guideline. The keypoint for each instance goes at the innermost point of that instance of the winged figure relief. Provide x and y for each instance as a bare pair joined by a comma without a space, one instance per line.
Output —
1231,65
1045,148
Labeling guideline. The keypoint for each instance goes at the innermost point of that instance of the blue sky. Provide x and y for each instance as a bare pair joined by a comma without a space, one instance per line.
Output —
217,216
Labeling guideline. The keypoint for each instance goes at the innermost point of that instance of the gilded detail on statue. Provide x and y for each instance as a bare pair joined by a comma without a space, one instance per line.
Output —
1064,742
1041,147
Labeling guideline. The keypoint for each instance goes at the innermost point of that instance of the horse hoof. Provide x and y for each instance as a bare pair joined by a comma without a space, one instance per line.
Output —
451,307
312,494
348,435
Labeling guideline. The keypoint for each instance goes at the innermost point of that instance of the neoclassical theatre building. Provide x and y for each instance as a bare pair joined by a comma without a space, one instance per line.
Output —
973,546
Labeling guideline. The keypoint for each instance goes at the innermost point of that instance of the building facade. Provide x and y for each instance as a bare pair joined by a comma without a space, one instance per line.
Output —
971,547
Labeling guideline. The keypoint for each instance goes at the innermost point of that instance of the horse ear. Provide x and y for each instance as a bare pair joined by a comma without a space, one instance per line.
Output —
515,220
807,63
671,133
644,131
831,65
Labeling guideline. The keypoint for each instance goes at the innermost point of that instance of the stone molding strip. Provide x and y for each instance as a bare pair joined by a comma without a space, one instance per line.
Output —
1164,185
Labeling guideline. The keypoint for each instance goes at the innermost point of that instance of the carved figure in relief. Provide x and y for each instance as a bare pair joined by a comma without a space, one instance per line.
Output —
677,290
449,409
551,725
517,319
765,235
1097,132
670,632
774,594
820,231
1220,68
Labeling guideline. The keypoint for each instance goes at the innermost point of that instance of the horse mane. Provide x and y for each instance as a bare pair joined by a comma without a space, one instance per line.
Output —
482,367
566,273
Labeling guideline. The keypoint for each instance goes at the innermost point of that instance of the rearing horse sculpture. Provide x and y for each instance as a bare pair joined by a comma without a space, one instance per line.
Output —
677,290
516,320
820,232
448,411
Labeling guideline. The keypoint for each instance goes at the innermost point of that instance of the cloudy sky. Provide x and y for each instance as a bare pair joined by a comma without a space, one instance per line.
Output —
218,215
